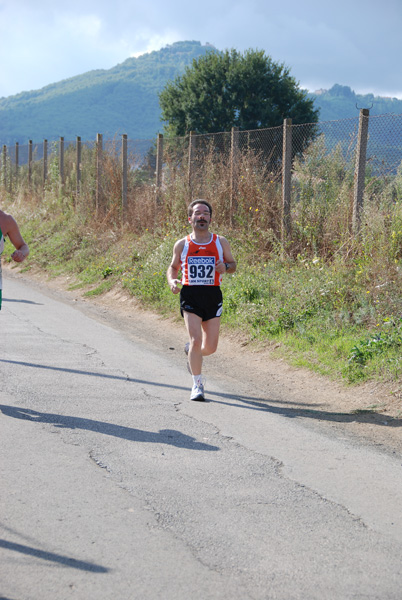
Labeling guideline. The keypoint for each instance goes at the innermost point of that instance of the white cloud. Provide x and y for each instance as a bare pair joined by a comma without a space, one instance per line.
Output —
148,41
83,25
352,42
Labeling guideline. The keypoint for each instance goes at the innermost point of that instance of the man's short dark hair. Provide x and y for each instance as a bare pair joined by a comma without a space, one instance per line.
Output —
194,202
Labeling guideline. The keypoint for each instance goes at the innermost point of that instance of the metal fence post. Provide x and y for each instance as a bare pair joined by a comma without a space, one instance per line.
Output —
159,167
124,171
360,169
234,168
286,177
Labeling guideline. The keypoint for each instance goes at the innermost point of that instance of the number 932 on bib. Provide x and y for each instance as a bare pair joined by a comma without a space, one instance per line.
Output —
201,270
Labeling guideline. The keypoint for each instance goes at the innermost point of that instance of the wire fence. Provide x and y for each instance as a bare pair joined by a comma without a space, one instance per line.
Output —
368,147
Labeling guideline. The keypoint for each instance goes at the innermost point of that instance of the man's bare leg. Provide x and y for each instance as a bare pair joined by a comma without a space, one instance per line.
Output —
210,336
204,337
195,333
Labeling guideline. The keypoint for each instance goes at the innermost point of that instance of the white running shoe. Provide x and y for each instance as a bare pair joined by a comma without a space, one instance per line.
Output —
197,393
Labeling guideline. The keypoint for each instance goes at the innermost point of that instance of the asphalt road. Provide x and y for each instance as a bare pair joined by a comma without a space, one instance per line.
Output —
115,486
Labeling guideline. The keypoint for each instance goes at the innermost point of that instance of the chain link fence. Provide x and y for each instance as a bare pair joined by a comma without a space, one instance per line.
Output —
115,168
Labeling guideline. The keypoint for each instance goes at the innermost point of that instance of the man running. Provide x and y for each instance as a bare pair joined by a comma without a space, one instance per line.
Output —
202,257
8,226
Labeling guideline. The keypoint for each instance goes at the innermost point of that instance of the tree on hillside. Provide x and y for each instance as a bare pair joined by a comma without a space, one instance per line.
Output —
229,89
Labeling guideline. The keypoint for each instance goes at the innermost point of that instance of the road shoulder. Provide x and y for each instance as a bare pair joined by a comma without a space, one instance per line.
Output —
298,393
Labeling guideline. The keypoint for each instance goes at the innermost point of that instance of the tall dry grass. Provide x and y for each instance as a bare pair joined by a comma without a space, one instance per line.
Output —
325,293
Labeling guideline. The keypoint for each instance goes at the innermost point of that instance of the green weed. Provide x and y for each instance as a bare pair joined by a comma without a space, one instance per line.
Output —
325,300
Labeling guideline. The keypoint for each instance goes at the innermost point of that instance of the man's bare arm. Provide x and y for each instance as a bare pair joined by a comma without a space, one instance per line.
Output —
13,232
173,269
227,258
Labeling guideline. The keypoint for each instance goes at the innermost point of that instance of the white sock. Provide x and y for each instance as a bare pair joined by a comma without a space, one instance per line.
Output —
197,379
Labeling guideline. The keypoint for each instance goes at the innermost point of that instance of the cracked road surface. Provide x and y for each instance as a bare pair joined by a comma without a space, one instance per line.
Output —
115,485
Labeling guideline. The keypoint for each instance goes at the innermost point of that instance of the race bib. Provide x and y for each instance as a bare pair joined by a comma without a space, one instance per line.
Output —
201,270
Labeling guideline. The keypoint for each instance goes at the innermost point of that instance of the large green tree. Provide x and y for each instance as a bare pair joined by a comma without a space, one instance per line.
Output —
232,89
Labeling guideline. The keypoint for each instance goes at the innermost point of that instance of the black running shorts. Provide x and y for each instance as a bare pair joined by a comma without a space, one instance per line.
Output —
202,300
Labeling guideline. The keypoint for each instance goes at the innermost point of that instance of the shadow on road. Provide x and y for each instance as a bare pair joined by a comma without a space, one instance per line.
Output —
58,558
89,373
293,411
24,302
164,436
140,381
362,416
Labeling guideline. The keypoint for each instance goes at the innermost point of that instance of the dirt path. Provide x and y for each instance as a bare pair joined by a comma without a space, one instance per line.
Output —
296,393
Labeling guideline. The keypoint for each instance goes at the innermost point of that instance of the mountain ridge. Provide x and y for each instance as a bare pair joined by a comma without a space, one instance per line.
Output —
124,99
340,102
100,100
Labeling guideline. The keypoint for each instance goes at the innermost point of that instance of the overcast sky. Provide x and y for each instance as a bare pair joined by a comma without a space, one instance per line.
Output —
351,42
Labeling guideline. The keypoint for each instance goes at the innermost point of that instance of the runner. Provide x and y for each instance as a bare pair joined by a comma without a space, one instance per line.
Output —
202,257
8,226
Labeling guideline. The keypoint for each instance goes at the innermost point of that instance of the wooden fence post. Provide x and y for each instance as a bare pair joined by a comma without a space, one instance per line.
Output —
4,165
61,161
360,169
17,147
124,167
44,163
234,168
78,166
286,178
99,153
159,168
29,164
191,151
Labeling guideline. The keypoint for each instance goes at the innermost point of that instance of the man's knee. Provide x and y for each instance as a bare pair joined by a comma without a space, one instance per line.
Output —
209,347
195,343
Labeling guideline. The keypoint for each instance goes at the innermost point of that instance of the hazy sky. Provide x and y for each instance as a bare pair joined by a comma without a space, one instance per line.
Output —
351,42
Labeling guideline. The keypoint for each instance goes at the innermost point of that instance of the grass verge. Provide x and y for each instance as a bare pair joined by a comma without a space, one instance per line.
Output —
339,318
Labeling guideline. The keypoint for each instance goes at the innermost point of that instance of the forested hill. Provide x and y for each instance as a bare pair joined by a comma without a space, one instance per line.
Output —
341,102
124,99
